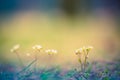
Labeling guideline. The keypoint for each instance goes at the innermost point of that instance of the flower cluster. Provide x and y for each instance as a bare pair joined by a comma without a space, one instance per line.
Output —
37,47
15,48
82,53
48,51
51,51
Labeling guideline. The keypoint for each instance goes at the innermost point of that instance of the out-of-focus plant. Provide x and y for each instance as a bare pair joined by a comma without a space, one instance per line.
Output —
15,50
51,55
82,54
51,51
78,52
37,49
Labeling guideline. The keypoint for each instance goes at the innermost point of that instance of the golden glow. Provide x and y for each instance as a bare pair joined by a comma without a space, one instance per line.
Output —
58,32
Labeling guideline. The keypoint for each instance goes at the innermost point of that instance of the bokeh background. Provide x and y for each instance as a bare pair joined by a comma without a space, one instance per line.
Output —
65,25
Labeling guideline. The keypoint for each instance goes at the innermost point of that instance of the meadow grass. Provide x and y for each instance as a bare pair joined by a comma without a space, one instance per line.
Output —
108,71
92,71
65,37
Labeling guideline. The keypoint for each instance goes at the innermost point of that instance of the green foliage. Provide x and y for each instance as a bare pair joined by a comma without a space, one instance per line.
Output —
56,73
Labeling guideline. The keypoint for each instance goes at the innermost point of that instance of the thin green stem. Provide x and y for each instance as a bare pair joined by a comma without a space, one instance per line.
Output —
19,58
35,66
85,62
81,65
27,66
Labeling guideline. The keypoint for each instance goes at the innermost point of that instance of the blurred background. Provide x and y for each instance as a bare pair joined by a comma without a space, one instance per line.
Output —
65,25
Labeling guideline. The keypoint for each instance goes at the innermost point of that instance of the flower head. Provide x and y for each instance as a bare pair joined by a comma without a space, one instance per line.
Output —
88,48
51,51
82,54
84,49
37,47
79,51
15,48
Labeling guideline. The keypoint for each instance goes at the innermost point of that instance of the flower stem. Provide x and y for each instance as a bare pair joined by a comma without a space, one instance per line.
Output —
35,66
81,65
85,62
18,56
